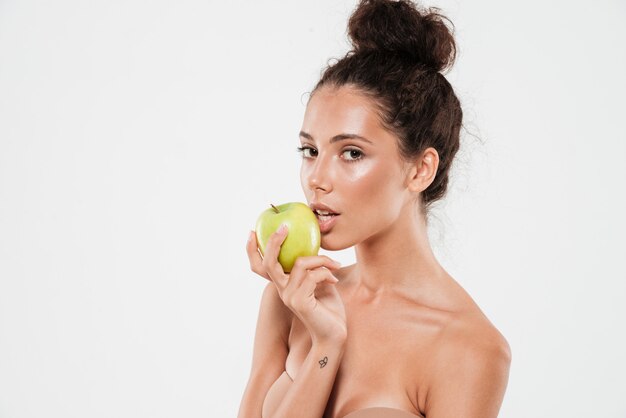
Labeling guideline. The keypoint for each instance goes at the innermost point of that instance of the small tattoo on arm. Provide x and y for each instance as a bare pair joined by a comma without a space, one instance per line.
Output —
323,362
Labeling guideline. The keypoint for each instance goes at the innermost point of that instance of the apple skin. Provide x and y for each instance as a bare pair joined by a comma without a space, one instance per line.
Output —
303,237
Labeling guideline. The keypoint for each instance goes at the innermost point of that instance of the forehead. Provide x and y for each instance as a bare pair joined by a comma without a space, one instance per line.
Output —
343,110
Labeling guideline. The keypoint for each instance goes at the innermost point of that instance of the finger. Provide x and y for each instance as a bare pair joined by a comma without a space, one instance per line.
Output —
256,261
312,282
308,280
317,277
270,258
306,263
315,261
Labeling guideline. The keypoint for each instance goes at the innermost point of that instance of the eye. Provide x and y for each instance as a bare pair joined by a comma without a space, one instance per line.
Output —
303,150
354,155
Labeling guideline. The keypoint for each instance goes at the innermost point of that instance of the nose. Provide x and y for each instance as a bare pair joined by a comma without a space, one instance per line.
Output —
319,175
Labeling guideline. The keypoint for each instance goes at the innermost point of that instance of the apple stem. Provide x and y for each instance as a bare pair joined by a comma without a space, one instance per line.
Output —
275,210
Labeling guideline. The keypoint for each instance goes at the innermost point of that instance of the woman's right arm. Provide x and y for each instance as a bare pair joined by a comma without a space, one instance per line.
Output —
309,392
309,293
308,395
269,353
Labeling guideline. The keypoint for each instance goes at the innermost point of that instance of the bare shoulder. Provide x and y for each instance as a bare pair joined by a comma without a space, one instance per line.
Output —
473,331
470,369
469,328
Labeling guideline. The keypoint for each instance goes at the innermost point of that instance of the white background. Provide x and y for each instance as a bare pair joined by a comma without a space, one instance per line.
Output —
139,141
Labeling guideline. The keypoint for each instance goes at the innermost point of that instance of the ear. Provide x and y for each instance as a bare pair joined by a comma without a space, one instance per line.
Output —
423,170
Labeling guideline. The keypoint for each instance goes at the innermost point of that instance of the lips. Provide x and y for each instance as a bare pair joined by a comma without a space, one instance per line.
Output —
326,216
326,222
320,207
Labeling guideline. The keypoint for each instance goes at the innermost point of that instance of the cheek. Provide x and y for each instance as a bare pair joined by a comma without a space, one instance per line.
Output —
303,179
369,187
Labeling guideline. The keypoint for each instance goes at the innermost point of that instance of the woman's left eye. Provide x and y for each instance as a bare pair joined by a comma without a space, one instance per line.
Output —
354,155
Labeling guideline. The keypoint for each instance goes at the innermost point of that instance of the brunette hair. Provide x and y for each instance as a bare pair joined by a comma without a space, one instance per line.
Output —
398,54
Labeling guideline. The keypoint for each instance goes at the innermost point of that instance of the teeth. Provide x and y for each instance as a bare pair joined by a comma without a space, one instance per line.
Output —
323,212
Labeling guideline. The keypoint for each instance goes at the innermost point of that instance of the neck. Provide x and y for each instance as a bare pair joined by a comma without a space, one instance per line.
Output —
398,260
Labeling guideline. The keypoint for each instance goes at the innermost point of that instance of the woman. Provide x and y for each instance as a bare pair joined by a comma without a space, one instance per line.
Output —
393,335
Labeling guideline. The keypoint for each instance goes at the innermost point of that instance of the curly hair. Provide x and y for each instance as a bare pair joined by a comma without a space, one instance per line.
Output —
398,54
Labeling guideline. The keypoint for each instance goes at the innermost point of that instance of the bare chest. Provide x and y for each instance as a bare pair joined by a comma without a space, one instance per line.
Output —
385,358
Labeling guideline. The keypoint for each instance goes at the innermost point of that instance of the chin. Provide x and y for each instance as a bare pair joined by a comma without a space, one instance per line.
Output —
329,244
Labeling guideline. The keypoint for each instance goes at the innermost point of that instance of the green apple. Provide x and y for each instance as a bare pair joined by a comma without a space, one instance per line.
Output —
303,237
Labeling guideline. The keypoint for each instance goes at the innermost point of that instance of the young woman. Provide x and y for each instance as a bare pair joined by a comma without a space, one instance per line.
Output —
393,335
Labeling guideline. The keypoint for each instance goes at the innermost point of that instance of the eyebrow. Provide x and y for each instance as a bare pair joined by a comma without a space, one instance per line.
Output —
336,138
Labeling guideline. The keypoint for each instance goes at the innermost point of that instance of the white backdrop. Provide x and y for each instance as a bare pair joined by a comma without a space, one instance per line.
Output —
139,141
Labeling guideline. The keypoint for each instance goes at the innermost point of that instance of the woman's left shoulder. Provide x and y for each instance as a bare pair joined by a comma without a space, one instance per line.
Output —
468,367
472,331
468,326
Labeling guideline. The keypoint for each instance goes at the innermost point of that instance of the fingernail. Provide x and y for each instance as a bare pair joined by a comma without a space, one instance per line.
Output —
250,235
283,228
337,263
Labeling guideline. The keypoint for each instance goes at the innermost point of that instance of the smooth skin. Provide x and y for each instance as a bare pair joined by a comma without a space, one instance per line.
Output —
415,340
318,307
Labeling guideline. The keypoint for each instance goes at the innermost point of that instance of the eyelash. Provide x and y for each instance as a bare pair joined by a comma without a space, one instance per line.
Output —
301,151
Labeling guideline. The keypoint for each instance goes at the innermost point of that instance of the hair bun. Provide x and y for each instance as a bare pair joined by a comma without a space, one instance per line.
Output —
399,27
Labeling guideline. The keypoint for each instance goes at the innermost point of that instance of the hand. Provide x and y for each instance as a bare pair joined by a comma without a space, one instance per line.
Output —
254,256
308,290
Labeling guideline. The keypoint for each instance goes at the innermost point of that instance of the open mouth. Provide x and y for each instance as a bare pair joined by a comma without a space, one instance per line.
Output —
326,220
